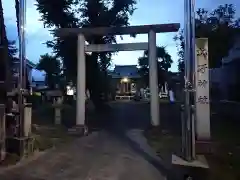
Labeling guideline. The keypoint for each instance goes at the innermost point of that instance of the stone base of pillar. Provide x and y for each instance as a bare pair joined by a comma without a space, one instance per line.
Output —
197,169
204,147
23,147
79,130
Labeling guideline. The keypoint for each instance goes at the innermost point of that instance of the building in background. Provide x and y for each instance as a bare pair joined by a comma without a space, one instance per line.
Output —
125,79
16,67
38,80
225,80
38,84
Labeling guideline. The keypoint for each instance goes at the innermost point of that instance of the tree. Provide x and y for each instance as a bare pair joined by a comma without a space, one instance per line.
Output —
220,27
4,59
180,39
86,13
164,62
12,51
51,65
17,6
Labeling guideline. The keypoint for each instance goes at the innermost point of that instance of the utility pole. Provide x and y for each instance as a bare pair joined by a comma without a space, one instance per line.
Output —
22,58
188,116
195,165
22,45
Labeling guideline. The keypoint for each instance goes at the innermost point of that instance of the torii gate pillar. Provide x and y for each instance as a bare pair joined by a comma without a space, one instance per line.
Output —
81,81
153,79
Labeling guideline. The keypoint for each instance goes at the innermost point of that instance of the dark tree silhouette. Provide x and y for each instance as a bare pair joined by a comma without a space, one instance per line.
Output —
164,63
5,75
86,13
51,66
220,27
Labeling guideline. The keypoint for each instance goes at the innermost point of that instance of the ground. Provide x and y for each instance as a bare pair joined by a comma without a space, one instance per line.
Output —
110,153
118,149
224,159
99,156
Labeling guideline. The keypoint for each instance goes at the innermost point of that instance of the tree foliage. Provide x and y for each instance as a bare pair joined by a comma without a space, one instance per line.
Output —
5,75
164,62
84,13
17,6
51,66
220,27
12,49
12,52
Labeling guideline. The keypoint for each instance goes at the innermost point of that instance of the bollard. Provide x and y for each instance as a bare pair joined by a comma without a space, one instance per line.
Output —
28,138
57,110
57,116
27,129
2,133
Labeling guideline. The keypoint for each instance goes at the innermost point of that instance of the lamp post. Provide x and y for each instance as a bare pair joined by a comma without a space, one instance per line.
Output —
188,134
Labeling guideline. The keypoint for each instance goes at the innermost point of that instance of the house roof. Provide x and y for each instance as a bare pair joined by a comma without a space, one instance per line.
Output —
121,71
29,63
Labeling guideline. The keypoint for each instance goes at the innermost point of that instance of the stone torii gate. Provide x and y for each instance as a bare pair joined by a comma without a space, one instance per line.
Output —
81,33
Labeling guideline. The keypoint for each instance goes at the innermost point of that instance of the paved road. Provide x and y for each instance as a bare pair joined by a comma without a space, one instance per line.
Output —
103,155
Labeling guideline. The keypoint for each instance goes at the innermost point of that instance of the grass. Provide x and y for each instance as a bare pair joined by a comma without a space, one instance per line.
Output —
43,138
45,134
163,142
224,161
50,136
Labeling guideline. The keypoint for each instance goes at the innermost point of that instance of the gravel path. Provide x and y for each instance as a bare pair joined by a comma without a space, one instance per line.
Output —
99,156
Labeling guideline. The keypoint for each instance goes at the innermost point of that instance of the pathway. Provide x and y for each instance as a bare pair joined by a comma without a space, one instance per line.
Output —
103,155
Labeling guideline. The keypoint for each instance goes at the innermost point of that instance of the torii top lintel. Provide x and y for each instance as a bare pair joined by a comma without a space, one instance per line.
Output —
129,30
